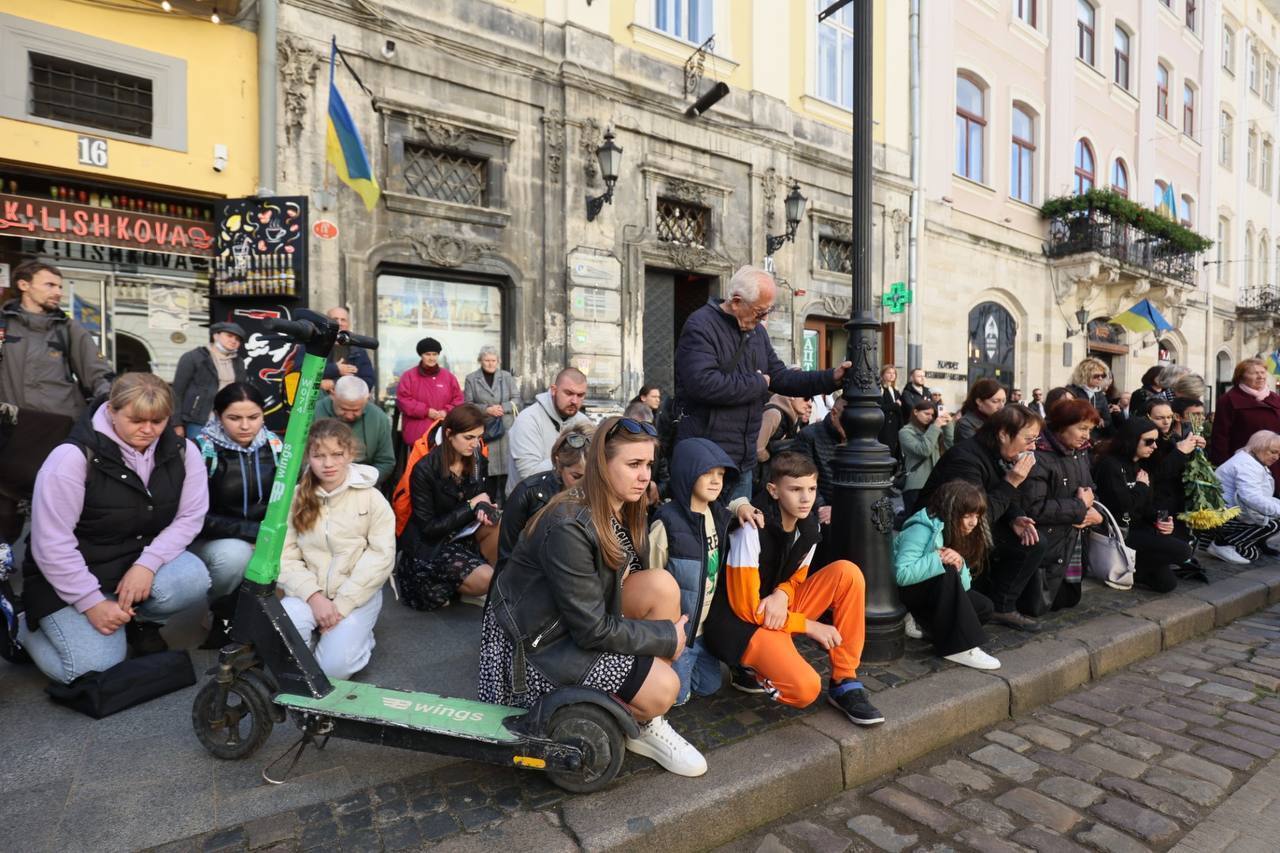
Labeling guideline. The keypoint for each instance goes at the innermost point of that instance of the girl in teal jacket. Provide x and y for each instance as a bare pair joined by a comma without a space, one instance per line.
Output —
931,561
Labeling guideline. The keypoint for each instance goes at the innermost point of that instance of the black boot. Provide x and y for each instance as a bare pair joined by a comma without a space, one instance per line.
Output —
221,612
144,637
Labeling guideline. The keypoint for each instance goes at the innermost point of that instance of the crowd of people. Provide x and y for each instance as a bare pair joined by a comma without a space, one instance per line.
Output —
645,555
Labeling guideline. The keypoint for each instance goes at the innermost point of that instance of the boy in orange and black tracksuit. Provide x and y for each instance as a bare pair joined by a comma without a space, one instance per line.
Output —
767,596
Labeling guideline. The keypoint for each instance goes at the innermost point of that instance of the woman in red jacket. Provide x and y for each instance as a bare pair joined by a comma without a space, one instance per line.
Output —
1248,406
426,392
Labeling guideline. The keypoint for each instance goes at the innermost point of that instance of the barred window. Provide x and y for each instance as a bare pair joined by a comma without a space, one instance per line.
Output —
86,95
835,255
446,176
680,222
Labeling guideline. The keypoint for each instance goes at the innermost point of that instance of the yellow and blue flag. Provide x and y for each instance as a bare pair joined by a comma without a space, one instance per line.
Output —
1143,317
1273,362
1169,202
343,146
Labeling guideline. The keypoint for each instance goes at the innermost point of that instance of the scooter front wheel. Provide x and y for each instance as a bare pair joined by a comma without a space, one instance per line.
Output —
232,724
592,730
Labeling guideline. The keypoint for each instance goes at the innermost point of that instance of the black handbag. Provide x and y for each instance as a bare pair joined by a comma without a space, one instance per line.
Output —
494,429
128,683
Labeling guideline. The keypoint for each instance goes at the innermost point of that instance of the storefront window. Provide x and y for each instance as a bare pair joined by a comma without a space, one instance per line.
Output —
463,316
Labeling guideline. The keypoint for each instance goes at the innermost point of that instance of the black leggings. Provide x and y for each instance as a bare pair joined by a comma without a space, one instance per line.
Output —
951,616
1013,565
1158,554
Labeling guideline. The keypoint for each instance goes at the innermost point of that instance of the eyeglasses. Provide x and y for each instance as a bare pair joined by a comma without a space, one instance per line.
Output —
759,314
632,426
1150,442
576,440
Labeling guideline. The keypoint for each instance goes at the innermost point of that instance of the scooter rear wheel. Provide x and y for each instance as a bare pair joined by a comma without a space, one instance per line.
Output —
236,728
592,730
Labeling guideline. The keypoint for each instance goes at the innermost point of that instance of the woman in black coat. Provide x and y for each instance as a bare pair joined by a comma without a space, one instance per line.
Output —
568,465
998,460
440,554
1059,496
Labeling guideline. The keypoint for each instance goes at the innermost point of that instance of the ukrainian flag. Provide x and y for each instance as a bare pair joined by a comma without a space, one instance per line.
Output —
344,148
1143,317
1273,363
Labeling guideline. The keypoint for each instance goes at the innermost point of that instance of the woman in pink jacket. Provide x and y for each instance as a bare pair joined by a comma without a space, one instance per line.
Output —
426,392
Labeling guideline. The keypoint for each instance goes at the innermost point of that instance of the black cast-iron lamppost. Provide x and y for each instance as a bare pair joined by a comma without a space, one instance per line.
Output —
1082,317
794,205
610,157
862,513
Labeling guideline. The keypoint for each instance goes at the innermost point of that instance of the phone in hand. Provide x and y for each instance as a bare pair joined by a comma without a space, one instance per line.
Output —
489,511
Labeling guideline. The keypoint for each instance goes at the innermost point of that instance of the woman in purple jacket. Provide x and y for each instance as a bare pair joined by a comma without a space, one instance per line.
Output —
114,512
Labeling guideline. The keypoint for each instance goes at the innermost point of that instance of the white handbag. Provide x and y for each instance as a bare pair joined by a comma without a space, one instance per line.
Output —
1109,559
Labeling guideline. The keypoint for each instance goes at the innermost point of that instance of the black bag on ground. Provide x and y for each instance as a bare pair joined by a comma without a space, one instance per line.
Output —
128,683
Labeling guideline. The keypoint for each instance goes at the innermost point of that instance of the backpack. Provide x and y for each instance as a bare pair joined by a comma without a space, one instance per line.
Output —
401,502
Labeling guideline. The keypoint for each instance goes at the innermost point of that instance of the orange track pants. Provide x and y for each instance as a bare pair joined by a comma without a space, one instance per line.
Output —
773,655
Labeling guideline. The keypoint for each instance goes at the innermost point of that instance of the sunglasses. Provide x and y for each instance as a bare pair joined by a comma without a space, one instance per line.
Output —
576,440
1099,376
1150,442
632,426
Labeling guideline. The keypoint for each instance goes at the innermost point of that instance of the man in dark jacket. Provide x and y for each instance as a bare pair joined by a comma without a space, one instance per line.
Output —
726,367
346,360
203,372
915,392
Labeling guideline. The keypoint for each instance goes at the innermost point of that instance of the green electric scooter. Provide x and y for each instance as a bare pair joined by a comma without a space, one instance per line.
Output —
267,672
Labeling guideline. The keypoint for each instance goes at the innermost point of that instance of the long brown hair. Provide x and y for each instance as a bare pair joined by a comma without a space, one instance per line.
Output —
306,503
594,492
950,504
984,389
460,419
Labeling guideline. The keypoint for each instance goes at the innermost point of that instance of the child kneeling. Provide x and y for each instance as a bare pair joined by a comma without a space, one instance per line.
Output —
338,552
768,595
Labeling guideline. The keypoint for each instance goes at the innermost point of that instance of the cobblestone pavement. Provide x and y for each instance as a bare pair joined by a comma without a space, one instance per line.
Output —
1141,760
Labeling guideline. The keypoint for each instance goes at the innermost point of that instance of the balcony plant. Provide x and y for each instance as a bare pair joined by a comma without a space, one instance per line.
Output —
1123,210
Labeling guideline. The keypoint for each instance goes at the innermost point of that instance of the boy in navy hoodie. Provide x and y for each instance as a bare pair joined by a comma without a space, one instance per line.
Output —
686,538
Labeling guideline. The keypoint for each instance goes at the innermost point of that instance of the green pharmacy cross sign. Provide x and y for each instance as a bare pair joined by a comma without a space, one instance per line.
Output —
898,297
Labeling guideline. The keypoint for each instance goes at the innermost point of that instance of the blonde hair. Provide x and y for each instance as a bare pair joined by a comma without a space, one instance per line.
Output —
1263,439
150,397
1085,369
306,503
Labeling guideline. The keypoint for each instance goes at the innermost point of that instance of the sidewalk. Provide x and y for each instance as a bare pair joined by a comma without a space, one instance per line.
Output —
75,784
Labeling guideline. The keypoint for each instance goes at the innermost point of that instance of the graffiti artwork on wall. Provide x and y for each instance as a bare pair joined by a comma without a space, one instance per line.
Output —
272,362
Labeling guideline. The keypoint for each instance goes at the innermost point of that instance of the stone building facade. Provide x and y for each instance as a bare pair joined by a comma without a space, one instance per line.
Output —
483,126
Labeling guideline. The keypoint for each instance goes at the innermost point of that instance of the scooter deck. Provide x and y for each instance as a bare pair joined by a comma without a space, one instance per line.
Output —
425,712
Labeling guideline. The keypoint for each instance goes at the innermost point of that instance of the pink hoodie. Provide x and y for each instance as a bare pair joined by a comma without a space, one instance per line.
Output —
59,498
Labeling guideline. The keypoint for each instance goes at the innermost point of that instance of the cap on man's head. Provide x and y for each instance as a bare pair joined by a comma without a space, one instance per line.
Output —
232,328
428,345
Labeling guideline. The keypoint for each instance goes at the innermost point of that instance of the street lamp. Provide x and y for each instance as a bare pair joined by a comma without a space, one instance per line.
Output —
795,209
610,157
862,513
1082,317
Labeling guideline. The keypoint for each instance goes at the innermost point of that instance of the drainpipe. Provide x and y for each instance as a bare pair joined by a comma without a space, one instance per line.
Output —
915,348
268,13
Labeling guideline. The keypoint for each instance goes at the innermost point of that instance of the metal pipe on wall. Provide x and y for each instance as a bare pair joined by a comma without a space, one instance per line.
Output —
915,349
268,20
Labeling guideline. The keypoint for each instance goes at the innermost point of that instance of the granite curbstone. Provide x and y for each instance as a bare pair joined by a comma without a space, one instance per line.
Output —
1232,598
767,777
920,717
1180,617
1269,578
1115,641
1042,671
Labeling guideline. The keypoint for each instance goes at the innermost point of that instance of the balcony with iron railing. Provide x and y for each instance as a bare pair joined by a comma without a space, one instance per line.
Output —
1077,232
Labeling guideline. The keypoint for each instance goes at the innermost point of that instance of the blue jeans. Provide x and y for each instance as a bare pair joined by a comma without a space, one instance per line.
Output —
226,560
67,645
699,672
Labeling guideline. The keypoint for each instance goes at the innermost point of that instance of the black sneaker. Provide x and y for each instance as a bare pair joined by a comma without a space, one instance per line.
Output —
745,680
144,637
850,698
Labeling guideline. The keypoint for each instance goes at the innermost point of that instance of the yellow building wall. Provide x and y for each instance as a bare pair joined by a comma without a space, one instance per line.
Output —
222,101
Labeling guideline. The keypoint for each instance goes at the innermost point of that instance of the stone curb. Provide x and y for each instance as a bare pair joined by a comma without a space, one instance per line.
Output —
1233,597
1040,672
1116,640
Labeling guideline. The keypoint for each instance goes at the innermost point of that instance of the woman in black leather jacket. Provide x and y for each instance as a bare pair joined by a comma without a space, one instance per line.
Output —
240,455
569,464
440,555
574,607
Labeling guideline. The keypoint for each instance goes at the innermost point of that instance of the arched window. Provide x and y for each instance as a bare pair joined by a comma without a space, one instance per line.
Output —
1162,91
1121,75
1022,154
1224,240
1251,155
1158,199
1248,255
971,126
1086,18
1120,178
1225,137
1264,258
1085,177
1186,211
1189,110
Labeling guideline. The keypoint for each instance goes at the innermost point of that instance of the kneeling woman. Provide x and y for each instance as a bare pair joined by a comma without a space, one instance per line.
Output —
338,551
114,512
1247,483
575,599
932,559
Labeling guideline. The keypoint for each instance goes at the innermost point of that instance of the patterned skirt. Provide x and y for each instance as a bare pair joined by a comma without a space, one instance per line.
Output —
430,584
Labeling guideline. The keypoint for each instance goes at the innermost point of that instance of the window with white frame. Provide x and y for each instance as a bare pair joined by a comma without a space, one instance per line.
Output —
971,128
1264,260
1158,200
1121,75
1225,137
1229,50
1269,82
1191,15
1120,178
1189,110
1248,254
1162,92
1022,154
688,20
1084,173
1086,19
1253,69
835,58
1186,211
1224,237
1026,11
1251,156
1264,167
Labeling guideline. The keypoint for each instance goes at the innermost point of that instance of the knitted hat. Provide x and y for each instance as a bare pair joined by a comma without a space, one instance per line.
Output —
428,345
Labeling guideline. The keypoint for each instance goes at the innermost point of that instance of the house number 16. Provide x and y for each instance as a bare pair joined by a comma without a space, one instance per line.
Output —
93,151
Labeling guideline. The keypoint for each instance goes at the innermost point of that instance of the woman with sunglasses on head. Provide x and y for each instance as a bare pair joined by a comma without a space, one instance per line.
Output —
568,466
575,598
1123,477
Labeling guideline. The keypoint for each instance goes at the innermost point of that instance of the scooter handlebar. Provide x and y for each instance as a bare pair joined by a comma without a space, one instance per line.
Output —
361,341
300,330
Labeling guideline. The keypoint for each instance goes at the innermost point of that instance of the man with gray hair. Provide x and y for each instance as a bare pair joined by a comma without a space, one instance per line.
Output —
349,402
726,369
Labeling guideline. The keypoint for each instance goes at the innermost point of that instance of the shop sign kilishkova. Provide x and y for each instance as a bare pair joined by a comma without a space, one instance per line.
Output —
21,216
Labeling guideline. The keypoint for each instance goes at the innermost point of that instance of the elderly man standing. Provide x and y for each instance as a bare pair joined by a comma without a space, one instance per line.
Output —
349,402
726,368
346,360
536,428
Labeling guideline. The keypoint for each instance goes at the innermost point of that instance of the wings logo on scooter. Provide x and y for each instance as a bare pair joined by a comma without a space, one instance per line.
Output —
397,704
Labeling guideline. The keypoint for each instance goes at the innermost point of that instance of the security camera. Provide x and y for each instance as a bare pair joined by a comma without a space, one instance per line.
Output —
388,49
219,158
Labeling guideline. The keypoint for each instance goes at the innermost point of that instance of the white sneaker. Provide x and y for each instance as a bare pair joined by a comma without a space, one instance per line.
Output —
974,657
664,745
1227,554
911,629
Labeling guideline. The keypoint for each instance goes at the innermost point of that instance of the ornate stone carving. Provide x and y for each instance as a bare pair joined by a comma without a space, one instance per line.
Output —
1228,329
882,515
685,191
299,64
553,136
442,134
769,192
835,306
591,139
687,257
898,218
442,250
